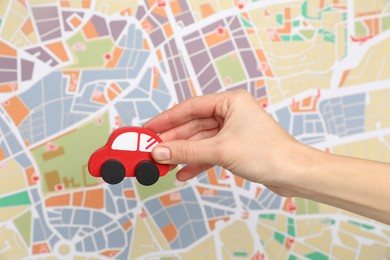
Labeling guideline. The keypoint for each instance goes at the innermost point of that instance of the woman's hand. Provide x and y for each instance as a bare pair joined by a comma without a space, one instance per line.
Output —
231,130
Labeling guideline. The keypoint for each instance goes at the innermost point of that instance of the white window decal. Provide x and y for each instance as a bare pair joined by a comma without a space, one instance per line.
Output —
146,143
126,142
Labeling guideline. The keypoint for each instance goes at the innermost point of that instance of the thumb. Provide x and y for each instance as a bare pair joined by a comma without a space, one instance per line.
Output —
185,152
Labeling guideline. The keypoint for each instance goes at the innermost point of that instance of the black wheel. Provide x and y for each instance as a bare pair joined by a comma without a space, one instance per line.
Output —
147,173
113,171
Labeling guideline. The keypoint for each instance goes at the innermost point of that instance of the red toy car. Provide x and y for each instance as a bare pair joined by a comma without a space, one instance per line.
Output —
127,153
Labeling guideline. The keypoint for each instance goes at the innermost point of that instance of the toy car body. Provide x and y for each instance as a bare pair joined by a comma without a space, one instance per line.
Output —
127,153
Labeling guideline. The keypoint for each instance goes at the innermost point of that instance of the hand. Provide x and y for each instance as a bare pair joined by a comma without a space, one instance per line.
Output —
229,129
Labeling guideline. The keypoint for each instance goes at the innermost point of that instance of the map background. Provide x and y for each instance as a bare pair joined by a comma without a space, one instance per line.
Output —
321,68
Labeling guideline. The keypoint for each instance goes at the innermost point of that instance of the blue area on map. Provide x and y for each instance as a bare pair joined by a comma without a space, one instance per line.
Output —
82,217
146,109
298,125
121,205
162,219
100,219
116,238
127,111
109,203
178,214
283,117
224,198
13,143
344,115
52,113
137,93
41,230
153,205
84,103
125,254
215,213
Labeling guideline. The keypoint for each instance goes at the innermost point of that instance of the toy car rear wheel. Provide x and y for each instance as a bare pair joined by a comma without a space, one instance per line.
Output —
147,173
113,171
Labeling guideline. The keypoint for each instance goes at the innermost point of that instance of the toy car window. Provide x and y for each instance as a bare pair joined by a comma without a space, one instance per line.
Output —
146,143
126,142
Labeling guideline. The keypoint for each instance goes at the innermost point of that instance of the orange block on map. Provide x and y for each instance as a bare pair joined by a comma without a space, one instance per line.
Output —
2,154
27,27
65,3
8,87
175,6
127,225
113,91
170,199
110,253
169,232
130,194
60,200
94,199
86,4
30,171
212,222
41,248
77,199
215,38
206,10
6,50
58,49
115,58
17,110
90,30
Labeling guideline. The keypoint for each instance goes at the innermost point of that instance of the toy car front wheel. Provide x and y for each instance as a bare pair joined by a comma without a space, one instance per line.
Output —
113,171
147,173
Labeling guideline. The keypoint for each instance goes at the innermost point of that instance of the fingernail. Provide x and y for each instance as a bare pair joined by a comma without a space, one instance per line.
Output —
161,154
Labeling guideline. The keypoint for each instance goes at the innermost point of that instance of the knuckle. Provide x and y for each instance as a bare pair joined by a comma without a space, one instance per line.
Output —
186,153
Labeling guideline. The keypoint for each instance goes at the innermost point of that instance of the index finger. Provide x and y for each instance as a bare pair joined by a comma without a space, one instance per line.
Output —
197,107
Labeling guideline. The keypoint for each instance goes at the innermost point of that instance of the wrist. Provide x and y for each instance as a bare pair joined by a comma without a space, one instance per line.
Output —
301,170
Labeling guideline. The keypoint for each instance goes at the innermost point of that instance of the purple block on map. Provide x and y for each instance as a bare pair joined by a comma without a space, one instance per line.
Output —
191,36
251,64
242,43
140,12
234,23
44,13
185,18
8,76
100,25
167,50
185,86
181,70
116,28
195,46
42,55
66,15
199,61
213,27
8,63
161,19
183,5
207,75
27,70
47,27
173,46
172,68
157,37
221,49
239,33
212,87
179,92
261,92
53,35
